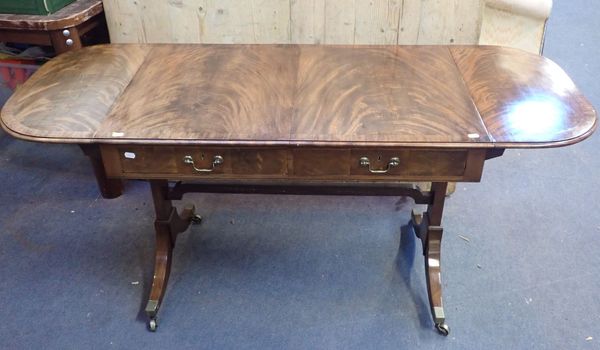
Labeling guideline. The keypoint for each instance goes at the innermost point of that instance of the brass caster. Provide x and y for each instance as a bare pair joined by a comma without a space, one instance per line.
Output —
443,329
152,324
196,219
416,218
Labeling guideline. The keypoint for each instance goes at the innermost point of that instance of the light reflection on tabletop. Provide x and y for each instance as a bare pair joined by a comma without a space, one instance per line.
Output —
536,116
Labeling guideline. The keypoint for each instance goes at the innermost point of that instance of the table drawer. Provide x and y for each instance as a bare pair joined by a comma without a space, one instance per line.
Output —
321,162
189,162
411,163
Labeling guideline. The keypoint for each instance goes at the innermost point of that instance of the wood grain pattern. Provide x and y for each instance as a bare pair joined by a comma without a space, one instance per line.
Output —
301,95
519,29
260,161
304,28
513,23
71,95
115,11
294,21
382,94
524,100
219,92
69,16
445,22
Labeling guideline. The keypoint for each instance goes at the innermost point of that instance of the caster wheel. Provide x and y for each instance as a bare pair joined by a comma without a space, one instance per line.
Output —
416,218
442,328
152,325
196,219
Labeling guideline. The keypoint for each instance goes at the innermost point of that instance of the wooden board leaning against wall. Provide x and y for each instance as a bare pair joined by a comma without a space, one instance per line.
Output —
498,22
514,23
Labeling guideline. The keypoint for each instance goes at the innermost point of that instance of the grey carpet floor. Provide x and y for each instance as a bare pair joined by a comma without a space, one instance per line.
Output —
300,272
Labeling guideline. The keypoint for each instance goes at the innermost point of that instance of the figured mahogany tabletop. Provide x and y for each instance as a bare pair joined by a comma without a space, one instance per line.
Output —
429,96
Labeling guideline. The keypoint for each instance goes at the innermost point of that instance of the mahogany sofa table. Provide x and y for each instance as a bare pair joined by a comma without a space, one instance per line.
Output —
293,119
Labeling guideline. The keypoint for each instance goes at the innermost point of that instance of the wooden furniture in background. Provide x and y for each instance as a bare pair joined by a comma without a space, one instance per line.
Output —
61,30
515,23
300,119
33,7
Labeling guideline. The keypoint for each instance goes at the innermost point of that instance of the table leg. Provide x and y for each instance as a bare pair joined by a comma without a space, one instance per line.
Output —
428,228
109,188
63,43
168,225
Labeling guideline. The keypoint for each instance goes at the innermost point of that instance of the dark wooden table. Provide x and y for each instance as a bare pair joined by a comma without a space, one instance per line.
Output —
295,119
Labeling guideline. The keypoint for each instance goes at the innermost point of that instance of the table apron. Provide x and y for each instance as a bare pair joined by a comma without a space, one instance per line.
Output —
292,163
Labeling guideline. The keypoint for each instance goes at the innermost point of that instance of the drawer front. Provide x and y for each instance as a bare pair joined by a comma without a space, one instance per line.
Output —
190,161
410,163
187,162
169,160
319,162
146,159
259,162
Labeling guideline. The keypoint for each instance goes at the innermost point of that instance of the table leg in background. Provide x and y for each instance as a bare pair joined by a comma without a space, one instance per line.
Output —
64,40
109,188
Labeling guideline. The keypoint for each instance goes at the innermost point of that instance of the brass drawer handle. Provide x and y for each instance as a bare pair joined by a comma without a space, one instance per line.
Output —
364,162
217,160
